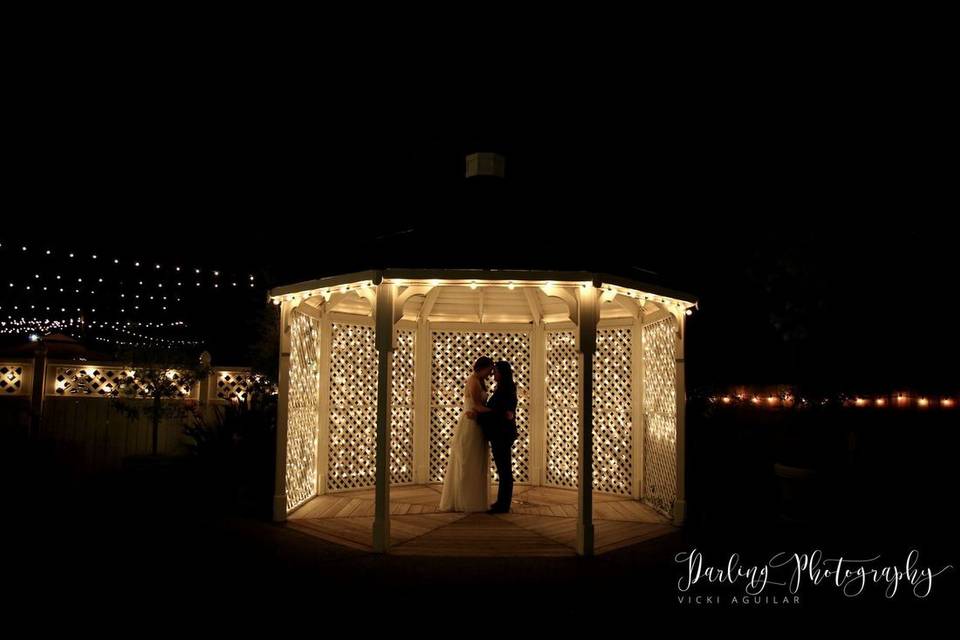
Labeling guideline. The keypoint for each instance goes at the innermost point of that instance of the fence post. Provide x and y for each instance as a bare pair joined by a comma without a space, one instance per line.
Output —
39,382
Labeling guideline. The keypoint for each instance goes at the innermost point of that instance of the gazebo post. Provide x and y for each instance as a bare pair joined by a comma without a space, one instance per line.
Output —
385,340
587,346
680,506
283,390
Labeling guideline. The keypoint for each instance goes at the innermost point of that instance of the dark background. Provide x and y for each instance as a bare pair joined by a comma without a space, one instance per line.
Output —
804,199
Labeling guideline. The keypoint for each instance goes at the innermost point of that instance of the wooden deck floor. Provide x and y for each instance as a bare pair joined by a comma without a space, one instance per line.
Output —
542,522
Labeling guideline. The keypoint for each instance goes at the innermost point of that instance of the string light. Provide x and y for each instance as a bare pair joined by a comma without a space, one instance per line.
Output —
901,400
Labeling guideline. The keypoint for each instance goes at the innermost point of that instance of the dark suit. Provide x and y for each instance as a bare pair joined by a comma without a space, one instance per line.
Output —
501,432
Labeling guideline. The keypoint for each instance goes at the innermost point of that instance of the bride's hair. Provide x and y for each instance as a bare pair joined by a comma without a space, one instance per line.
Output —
483,362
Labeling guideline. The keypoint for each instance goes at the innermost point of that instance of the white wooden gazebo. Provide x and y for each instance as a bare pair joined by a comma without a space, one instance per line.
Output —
569,335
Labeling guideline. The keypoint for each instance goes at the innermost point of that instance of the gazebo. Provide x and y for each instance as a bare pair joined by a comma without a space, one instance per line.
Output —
571,336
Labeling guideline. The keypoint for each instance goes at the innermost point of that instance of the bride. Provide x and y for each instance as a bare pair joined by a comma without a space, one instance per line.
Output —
466,483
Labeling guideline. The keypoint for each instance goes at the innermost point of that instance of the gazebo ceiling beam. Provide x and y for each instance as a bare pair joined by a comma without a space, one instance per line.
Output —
410,292
533,302
309,309
336,299
428,303
406,294
630,306
656,316
370,295
567,295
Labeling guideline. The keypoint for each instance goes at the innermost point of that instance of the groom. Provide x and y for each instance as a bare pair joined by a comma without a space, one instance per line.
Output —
500,428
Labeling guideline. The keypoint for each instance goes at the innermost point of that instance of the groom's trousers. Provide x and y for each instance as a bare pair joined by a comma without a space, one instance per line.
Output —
500,447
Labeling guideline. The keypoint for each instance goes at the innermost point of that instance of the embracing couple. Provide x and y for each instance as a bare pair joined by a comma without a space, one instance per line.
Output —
485,424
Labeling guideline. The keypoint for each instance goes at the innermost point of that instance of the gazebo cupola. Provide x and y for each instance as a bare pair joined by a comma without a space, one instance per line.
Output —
587,349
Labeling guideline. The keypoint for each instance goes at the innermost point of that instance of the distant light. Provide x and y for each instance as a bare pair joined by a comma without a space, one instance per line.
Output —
33,337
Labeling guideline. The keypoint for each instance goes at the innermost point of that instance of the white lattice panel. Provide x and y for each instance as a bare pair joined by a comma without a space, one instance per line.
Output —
11,378
105,381
401,427
303,409
233,385
454,353
660,414
613,411
562,368
353,407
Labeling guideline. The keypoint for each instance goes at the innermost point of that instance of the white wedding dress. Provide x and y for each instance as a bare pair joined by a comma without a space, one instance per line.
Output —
466,484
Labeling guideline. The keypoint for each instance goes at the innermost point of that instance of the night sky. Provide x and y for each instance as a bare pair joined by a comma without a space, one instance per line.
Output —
807,204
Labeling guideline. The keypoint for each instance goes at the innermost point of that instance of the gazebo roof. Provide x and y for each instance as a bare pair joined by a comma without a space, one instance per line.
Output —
500,296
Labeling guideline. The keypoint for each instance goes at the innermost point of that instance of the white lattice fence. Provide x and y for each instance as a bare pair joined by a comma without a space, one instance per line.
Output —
562,369
11,378
660,415
353,408
233,385
94,380
612,412
303,409
401,427
454,353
